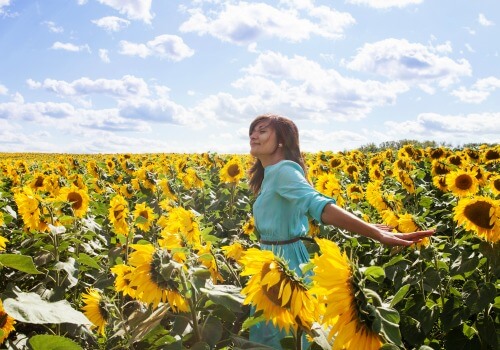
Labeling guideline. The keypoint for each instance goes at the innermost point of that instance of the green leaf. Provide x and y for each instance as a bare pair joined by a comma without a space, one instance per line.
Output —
375,274
52,342
400,294
22,263
477,299
31,308
200,346
388,346
390,325
87,260
227,295
451,316
212,331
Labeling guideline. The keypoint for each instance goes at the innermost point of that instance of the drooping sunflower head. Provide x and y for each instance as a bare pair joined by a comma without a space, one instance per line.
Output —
481,215
37,182
437,153
346,305
249,226
462,183
277,291
118,213
95,309
440,182
123,279
155,277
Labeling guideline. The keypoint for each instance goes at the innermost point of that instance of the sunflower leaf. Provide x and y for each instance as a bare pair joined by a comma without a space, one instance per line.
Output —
22,263
31,308
52,342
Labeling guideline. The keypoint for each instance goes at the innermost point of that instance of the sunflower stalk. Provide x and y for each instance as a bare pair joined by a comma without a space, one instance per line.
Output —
191,297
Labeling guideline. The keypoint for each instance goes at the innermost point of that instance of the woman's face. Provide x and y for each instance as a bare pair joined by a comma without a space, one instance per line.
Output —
263,140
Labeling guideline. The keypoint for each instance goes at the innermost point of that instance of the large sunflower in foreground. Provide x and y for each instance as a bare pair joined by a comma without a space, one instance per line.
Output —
276,291
154,277
95,309
481,215
6,323
333,280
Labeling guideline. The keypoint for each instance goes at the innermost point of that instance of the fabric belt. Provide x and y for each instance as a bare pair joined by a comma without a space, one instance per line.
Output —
288,241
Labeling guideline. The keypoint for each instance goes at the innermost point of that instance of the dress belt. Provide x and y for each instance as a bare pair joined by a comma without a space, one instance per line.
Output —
288,241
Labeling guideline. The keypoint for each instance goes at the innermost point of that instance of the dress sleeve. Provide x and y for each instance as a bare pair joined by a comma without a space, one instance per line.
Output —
293,186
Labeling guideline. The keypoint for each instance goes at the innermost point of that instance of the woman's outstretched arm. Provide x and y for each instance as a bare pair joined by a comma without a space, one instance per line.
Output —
341,218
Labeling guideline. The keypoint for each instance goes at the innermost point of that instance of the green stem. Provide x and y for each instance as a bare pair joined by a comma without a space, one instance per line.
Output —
441,292
192,306
421,278
231,202
298,342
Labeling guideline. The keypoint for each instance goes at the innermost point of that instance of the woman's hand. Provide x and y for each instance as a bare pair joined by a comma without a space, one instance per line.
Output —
402,239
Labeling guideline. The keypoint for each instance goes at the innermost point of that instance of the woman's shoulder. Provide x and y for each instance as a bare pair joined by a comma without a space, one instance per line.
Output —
289,166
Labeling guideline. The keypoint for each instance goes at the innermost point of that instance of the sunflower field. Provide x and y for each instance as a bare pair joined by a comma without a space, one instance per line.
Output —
159,251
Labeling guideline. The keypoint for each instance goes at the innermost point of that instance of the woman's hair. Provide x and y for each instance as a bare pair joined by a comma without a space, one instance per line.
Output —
288,135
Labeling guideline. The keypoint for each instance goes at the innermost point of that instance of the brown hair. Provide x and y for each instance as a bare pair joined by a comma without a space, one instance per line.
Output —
288,135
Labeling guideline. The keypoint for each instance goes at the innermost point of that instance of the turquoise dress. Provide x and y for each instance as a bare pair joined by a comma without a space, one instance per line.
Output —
281,212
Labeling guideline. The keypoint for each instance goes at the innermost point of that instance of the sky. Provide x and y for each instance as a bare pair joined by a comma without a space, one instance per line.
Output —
138,76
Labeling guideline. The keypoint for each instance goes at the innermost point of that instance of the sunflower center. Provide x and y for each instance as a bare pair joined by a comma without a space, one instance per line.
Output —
118,211
144,214
273,293
440,169
351,169
478,214
335,163
39,182
102,310
76,200
3,319
463,182
496,184
491,155
233,170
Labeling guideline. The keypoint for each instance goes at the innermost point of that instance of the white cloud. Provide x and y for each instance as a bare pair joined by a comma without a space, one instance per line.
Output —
103,55
3,3
167,46
298,86
133,9
69,47
456,129
162,110
484,21
3,90
245,22
111,23
125,87
402,60
479,91
54,28
384,4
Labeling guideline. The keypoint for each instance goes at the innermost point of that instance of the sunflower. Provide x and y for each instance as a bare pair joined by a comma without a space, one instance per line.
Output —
437,153
440,168
37,182
191,179
183,221
376,173
462,183
118,212
233,251
232,171
352,170
278,292
95,309
3,243
6,323
481,215
78,198
154,277
207,259
494,184
174,243
406,181
28,204
123,278
339,291
249,226
492,156
143,216
440,182
336,162
406,224
167,189
355,192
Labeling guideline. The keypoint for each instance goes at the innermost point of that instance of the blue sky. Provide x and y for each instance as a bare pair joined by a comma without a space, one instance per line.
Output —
108,76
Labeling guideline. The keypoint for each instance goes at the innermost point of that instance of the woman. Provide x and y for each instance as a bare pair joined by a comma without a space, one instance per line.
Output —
285,199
